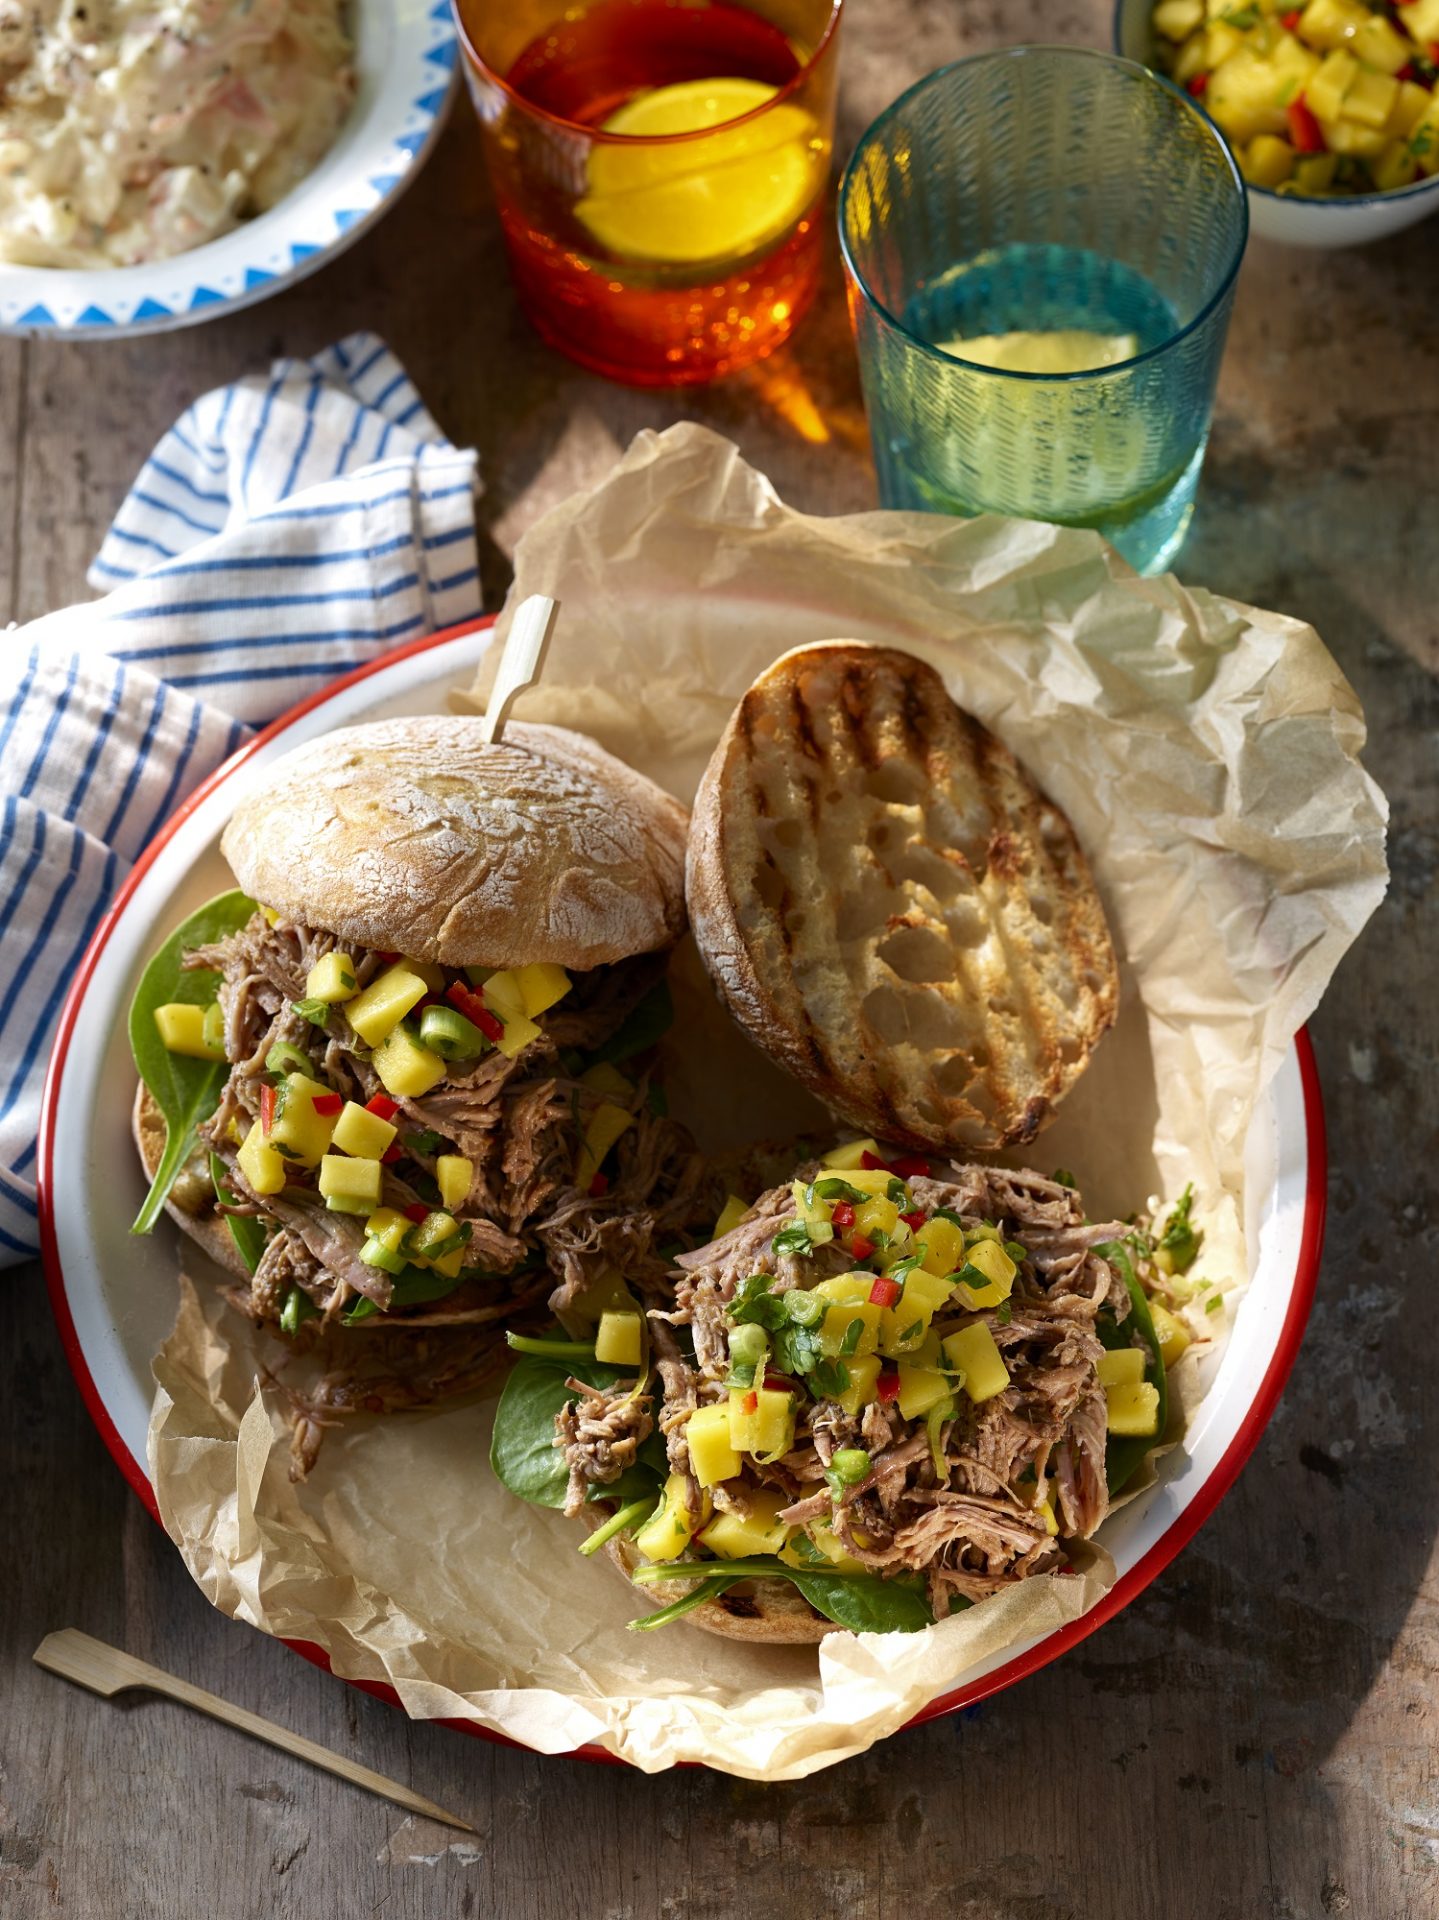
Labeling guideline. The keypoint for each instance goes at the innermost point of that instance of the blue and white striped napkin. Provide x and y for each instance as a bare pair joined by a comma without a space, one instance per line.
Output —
285,530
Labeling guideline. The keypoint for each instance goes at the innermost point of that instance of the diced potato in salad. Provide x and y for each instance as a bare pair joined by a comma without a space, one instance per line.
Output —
1331,98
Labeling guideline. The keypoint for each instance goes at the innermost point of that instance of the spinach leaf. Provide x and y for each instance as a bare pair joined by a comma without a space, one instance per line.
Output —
247,1233
860,1601
649,1020
1126,1453
414,1287
186,1091
706,1590
522,1448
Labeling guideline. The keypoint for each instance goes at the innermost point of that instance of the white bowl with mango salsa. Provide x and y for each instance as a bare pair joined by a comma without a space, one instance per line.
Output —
1331,107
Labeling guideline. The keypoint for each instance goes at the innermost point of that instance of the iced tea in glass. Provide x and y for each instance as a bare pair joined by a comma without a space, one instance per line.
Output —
660,169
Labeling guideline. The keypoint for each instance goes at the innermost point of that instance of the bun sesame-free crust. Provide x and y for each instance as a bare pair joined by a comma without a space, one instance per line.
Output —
891,908
419,837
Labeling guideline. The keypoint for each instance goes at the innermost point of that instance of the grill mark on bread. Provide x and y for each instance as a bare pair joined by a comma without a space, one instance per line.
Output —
932,875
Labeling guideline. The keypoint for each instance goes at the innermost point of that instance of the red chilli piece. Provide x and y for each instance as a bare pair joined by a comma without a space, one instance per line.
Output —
326,1103
912,1167
1196,84
600,1184
872,1163
1408,71
471,1003
382,1106
779,1383
842,1214
392,1153
388,958
887,1386
860,1247
416,1211
1304,130
915,1219
267,1108
884,1292
1290,20
751,1402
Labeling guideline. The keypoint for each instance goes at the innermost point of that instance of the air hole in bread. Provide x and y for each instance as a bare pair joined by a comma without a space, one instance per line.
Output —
1041,908
879,834
794,920
789,833
898,783
944,879
953,1075
860,913
884,1009
769,884
919,954
1069,1048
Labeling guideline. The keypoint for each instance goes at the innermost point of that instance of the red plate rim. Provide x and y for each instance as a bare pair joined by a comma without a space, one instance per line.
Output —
1125,1589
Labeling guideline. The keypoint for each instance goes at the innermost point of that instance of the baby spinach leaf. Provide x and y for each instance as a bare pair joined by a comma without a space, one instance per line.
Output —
649,1020
247,1233
1126,1453
522,1447
414,1287
860,1601
184,1090
706,1590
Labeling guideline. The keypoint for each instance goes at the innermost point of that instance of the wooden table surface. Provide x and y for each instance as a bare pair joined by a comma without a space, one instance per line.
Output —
1255,1737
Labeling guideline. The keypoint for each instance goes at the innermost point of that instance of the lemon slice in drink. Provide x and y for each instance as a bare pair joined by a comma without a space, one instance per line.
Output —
707,199
1067,350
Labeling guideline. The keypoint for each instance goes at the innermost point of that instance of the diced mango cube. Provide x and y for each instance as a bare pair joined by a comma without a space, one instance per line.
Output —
362,1133
863,1374
181,1027
1371,98
1046,1512
603,1078
1222,42
384,1004
735,1536
259,1162
332,979
519,1031
1324,95
876,1216
765,1428
988,1258
1314,172
836,1329
1362,143
605,1126
1378,44
920,1388
972,1353
834,1549
1329,23
432,975
541,984
1123,1366
448,1264
712,1455
297,1131
1395,167
620,1340
1176,19
670,1528
504,994
1133,1408
872,1180
453,1174
731,1213
850,1157
1172,1333
407,1069
845,1289
1410,107
389,1227
1421,19
345,1179
943,1244
1267,161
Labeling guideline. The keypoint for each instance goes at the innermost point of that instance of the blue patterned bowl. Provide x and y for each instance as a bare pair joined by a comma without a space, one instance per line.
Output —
405,63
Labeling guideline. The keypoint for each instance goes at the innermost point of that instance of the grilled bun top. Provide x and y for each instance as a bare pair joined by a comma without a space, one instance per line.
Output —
891,908
419,837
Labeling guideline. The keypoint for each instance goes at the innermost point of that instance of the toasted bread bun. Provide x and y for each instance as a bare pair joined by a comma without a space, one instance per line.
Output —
771,1612
418,837
207,1227
891,908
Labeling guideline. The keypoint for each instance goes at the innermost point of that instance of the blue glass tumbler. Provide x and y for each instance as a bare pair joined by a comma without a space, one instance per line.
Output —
1044,209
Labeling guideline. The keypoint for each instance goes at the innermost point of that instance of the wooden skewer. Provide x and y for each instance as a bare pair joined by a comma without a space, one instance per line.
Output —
106,1670
523,660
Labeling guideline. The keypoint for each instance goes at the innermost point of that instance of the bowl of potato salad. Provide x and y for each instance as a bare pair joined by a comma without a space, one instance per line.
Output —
1331,108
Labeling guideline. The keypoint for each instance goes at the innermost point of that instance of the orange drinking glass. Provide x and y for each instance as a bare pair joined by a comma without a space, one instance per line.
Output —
660,169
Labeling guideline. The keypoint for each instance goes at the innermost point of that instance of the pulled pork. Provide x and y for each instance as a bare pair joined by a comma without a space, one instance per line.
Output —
520,1120
977,1523
600,1433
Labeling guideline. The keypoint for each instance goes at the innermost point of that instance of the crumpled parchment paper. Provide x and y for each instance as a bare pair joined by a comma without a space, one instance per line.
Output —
1207,754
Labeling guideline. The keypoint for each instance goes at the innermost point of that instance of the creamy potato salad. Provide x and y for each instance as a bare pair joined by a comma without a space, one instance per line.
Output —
131,130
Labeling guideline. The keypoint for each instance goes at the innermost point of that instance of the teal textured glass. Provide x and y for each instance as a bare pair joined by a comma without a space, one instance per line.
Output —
1043,190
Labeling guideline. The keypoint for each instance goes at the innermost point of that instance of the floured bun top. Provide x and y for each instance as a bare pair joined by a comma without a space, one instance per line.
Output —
417,836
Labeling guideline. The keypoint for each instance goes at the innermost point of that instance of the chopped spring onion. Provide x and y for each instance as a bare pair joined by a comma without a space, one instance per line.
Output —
285,1058
622,1522
298,1308
450,1034
551,1349
706,1590
317,1012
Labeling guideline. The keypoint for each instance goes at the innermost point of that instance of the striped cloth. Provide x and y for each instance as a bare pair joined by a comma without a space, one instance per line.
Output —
285,530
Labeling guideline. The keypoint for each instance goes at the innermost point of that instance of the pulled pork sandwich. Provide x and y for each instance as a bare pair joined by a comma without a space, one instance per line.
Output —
881,1395
381,1083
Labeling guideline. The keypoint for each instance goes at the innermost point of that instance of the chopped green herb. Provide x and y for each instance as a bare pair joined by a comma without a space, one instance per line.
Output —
317,1012
424,1140
298,1308
1064,1178
794,1238
853,1334
1215,1303
911,1332
833,1188
829,1378
1179,1243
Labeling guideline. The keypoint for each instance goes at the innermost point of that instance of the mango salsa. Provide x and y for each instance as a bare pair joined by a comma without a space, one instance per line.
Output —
361,1132
712,1454
384,1004
1333,98
973,1353
1133,1408
735,1536
669,1530
620,1340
